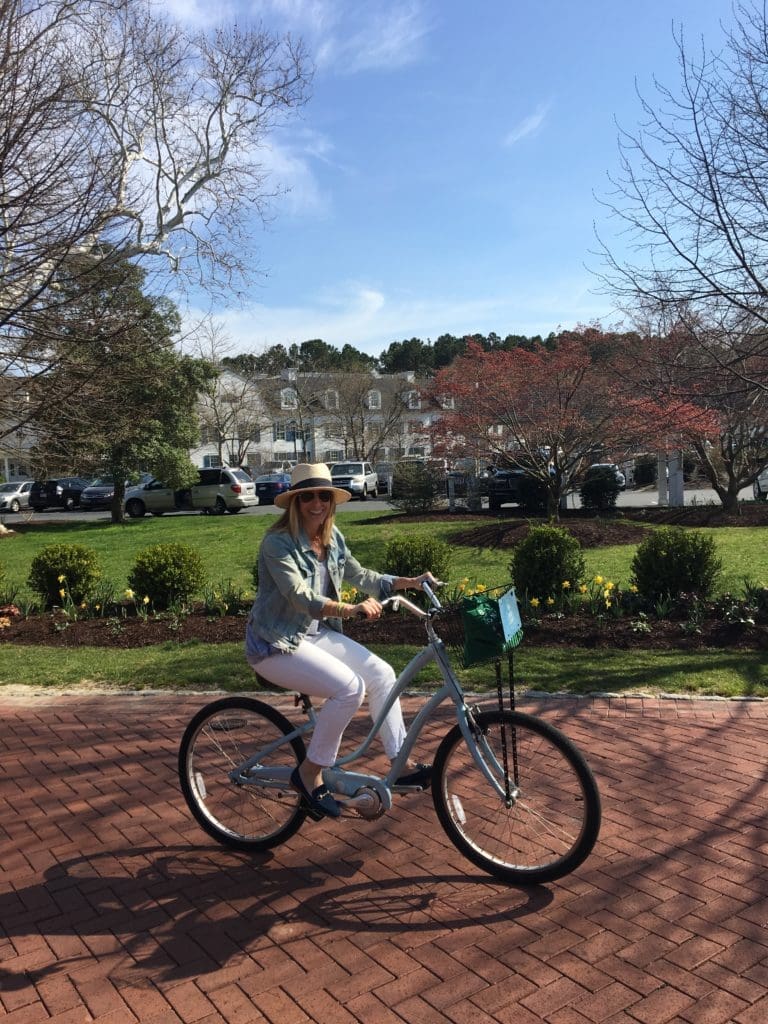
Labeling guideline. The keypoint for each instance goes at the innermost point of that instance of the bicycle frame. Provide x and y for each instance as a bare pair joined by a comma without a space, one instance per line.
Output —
347,783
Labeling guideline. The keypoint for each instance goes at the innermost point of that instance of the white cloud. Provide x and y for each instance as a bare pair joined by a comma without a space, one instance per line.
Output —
364,316
528,126
199,13
289,167
347,36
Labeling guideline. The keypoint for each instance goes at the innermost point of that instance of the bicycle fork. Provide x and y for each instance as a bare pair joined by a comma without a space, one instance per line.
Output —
486,760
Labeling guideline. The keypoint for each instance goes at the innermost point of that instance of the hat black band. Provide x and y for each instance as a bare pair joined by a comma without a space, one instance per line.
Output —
314,483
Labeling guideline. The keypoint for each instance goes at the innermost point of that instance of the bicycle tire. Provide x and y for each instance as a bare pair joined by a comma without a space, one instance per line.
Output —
548,831
218,738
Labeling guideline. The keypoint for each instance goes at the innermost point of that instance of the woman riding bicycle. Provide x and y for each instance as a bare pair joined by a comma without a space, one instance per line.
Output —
294,635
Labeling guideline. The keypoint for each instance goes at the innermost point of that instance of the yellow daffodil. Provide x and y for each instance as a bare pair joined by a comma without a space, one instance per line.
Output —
62,592
583,588
566,584
129,594
145,600
598,580
633,588
550,600
535,602
481,588
609,585
62,578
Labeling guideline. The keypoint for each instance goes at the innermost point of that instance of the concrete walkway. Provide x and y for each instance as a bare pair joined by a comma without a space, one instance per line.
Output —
115,907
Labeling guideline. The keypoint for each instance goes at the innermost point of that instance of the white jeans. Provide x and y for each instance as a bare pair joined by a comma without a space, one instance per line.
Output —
332,666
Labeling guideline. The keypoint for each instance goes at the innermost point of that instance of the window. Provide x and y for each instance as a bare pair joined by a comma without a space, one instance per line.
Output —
414,401
210,461
447,402
247,432
374,399
288,430
288,398
333,455
331,399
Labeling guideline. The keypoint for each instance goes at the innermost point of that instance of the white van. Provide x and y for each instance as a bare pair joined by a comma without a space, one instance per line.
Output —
220,489
760,486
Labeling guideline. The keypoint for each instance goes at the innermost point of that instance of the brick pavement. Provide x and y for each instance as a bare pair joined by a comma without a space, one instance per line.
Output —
115,907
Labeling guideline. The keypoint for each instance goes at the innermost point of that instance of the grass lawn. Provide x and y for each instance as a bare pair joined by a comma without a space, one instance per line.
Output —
197,666
229,546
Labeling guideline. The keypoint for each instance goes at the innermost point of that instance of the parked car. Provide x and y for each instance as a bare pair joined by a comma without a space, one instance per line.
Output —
606,469
269,485
15,496
760,486
98,494
218,490
504,488
62,493
359,478
385,471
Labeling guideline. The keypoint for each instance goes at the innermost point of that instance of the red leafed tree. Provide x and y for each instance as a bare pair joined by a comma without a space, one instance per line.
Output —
552,410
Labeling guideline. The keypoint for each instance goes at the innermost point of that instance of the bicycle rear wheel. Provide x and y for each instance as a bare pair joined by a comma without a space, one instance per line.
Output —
219,738
551,822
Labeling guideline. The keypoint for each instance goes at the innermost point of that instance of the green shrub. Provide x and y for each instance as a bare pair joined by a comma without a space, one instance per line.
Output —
600,492
411,556
674,561
168,574
71,568
416,489
544,560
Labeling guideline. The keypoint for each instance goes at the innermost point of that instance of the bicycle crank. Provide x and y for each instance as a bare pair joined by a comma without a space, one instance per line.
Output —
365,802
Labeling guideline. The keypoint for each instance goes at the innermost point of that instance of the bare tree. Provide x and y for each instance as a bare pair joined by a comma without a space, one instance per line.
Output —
121,135
363,411
691,198
231,407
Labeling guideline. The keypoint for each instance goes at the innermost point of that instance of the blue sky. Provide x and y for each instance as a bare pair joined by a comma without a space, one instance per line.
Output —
443,175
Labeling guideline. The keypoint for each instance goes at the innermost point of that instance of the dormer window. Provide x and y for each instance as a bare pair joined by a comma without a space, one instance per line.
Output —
414,400
288,398
374,399
331,399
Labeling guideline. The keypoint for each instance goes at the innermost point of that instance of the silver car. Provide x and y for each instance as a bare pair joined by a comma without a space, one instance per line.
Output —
359,478
15,496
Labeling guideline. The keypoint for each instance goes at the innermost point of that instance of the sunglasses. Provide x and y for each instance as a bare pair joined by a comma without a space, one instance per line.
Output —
308,496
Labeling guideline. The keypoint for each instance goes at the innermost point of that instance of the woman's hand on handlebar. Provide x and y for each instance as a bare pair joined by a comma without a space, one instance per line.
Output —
370,608
415,582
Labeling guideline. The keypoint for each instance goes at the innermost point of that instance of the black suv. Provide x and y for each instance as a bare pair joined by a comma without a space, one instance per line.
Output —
62,493
504,488
516,487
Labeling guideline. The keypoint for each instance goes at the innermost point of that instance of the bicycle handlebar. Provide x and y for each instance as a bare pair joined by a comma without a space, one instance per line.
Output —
396,600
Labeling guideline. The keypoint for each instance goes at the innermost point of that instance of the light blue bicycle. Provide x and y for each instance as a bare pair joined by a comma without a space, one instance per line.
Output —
512,793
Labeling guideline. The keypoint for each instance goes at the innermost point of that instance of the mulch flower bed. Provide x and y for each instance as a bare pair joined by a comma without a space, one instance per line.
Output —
490,530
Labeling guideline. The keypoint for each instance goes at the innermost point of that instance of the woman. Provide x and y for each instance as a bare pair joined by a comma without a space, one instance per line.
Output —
294,637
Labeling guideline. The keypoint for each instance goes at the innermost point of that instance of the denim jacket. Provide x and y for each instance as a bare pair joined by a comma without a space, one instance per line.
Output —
289,597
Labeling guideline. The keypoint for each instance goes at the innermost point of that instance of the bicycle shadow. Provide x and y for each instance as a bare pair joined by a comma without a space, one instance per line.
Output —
172,913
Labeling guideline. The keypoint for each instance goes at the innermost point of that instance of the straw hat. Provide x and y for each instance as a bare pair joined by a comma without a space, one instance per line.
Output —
308,477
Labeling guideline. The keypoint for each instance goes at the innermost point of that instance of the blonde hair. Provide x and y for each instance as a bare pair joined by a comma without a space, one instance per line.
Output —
290,520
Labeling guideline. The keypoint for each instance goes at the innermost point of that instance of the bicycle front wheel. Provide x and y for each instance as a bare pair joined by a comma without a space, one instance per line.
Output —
220,738
550,822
